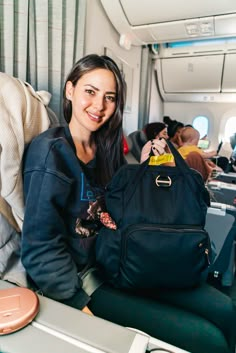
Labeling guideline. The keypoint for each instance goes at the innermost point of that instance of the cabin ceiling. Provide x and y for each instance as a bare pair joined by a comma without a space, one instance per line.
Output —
200,73
158,21
144,14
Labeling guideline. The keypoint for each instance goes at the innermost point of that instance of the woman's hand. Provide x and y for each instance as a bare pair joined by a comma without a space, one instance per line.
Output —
87,311
157,146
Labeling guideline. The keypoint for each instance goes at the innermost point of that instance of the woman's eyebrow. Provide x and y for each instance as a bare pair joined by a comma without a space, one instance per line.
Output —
97,89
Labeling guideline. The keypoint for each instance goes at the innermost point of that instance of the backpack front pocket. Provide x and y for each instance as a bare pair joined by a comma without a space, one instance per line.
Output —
162,256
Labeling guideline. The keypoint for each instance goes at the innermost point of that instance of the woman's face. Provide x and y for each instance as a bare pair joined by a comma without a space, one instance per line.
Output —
93,99
163,134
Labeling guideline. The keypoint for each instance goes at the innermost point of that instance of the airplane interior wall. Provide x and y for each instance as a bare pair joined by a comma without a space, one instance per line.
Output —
217,113
101,34
156,103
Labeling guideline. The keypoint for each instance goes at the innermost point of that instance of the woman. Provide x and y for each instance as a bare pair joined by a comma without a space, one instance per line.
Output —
65,172
156,131
174,129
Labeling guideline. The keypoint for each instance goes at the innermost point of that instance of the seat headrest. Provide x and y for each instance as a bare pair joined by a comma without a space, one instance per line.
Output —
143,137
125,145
233,140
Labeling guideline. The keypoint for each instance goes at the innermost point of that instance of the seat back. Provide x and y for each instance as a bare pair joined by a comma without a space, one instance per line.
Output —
24,114
233,140
221,226
127,147
138,139
222,192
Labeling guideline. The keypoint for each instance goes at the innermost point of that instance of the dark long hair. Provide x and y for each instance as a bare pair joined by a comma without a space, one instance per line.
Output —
108,138
172,126
153,129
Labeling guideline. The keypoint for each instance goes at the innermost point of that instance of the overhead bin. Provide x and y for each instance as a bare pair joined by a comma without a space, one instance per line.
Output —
158,21
201,71
229,77
196,74
199,78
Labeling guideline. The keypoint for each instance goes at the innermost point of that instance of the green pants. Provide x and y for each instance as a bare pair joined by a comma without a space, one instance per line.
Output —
199,320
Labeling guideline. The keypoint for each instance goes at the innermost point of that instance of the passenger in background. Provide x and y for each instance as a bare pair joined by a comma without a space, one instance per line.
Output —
157,147
194,159
174,129
231,166
190,138
156,130
197,162
233,160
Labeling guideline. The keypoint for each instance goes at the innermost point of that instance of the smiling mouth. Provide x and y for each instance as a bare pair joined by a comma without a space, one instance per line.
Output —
94,117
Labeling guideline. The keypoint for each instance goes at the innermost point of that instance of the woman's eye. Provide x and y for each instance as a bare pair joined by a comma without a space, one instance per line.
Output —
89,91
110,98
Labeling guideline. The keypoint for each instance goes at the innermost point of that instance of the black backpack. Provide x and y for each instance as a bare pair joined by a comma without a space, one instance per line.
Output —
160,240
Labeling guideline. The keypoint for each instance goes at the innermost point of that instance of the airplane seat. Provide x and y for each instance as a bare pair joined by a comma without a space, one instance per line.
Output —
127,147
221,226
231,169
208,334
61,328
233,140
228,164
197,162
222,192
24,115
227,176
138,139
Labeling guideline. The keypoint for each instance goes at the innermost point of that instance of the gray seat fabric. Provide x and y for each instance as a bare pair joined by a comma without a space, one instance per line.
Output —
129,156
138,139
222,192
233,140
220,224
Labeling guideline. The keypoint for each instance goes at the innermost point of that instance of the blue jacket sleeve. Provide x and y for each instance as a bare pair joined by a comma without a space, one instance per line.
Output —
44,247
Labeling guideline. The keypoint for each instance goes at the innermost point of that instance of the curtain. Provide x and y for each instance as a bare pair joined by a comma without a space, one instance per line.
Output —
145,87
40,40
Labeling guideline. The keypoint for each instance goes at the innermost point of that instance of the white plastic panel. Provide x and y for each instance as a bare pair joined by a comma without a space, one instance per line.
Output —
196,74
156,11
157,21
170,31
145,33
229,76
176,30
225,25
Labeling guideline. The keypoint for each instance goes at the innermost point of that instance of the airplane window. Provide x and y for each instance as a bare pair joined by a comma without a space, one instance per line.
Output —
230,128
200,123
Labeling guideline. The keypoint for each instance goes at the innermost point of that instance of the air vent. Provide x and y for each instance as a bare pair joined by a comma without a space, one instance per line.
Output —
208,51
198,47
